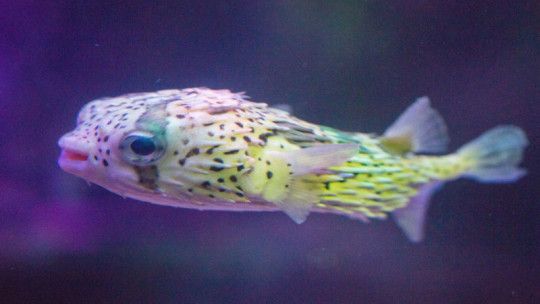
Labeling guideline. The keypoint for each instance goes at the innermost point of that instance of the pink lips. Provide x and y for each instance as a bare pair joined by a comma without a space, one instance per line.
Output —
73,155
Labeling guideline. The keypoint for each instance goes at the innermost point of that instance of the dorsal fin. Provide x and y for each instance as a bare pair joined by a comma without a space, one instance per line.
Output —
420,129
411,218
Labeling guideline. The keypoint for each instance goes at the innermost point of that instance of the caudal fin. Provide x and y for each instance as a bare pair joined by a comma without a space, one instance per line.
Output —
495,155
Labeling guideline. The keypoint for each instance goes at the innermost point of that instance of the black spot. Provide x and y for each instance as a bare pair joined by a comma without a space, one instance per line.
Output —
190,190
240,194
211,150
216,168
268,162
269,174
327,185
211,134
175,152
218,160
108,152
240,168
192,152
264,136
205,184
222,190
208,124
233,138
231,152
233,178
95,157
106,138
247,139
222,127
105,163
180,116
182,161
239,124
211,195
220,180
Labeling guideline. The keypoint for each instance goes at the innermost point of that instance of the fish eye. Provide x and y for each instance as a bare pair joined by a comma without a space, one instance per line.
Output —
143,146
142,149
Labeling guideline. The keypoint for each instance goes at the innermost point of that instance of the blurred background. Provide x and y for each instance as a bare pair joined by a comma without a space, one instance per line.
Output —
353,65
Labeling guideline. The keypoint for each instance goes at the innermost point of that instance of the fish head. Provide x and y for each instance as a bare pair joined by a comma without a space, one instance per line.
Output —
118,143
164,147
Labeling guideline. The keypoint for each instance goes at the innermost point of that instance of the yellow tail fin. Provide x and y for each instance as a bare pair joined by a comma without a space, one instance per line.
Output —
495,155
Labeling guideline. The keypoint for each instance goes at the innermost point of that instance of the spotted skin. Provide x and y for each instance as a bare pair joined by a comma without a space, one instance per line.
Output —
219,153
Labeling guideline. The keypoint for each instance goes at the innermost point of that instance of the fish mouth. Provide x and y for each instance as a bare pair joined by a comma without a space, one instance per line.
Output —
73,155
72,158
73,161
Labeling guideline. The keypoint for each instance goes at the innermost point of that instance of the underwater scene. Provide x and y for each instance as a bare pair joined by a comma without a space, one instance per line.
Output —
269,152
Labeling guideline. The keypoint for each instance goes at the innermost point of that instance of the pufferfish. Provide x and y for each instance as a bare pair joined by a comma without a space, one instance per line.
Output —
210,149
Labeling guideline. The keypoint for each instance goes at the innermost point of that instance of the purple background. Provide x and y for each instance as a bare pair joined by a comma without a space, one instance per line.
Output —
350,65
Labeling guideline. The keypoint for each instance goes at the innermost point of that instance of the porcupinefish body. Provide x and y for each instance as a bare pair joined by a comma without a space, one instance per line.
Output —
216,150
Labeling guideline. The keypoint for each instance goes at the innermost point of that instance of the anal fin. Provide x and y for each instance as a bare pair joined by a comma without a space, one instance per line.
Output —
411,218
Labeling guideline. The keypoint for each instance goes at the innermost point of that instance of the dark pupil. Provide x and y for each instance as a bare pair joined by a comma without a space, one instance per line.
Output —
143,146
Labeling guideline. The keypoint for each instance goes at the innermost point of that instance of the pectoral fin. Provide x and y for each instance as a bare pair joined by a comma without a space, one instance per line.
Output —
291,194
315,158
298,202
